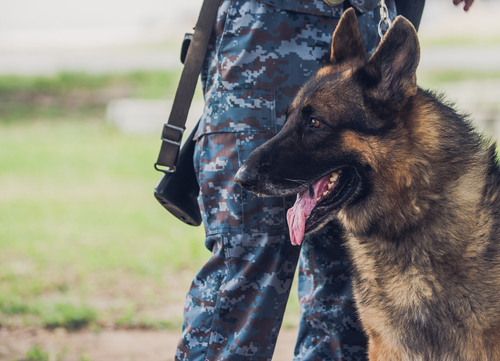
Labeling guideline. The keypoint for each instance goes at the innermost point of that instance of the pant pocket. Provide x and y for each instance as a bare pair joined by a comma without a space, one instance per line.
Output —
259,213
235,123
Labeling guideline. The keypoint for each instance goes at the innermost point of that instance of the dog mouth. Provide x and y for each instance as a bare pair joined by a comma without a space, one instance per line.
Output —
314,206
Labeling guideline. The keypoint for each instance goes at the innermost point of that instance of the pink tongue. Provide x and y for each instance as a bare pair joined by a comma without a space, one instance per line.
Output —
296,216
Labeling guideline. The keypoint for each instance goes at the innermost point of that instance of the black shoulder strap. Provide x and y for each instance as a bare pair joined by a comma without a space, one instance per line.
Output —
172,131
412,10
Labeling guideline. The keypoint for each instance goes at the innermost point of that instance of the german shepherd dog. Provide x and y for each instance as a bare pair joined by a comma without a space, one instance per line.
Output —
415,189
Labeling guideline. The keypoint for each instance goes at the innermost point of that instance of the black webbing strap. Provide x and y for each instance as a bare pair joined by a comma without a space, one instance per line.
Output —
172,131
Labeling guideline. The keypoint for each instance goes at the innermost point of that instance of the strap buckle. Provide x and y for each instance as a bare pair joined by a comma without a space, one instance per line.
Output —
167,132
188,37
171,134
166,170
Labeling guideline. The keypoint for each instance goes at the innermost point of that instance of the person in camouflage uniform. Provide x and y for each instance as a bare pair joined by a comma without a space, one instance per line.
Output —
260,54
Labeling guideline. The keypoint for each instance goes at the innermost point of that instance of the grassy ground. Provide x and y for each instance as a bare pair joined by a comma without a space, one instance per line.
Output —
80,228
77,95
83,242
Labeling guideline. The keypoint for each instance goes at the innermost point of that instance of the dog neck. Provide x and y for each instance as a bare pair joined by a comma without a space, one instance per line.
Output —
432,188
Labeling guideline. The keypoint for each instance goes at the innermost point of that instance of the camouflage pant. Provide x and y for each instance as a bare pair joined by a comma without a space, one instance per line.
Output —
261,53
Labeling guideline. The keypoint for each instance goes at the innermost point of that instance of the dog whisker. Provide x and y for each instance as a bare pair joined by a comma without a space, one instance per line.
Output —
296,180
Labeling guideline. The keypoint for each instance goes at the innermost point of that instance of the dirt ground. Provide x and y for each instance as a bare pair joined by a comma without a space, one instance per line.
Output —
113,345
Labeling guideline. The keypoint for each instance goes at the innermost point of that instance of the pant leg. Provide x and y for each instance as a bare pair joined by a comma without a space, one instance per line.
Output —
260,57
329,327
235,306
234,312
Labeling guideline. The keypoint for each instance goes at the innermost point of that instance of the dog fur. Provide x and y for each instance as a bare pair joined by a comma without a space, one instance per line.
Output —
419,203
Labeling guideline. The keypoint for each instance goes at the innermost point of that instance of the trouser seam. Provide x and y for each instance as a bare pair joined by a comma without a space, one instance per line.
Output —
216,320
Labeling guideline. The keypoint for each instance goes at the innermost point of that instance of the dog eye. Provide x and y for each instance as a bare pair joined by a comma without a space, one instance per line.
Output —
315,123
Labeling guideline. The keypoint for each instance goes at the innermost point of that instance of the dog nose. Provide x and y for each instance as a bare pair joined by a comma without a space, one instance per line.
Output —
246,179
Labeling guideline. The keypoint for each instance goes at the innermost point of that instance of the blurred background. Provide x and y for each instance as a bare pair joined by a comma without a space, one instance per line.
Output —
91,266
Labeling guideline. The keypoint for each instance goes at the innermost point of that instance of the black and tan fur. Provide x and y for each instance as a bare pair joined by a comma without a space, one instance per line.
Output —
422,222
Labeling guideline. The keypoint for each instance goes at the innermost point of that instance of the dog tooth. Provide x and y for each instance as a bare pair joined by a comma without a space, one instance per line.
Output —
318,199
330,185
334,177
325,193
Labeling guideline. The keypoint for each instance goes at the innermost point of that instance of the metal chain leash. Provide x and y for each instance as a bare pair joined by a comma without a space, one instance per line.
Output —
384,17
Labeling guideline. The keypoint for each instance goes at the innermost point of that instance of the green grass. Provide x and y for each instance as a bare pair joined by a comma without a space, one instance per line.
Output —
78,222
130,319
66,315
78,95
460,41
143,84
86,185
432,79
36,353
50,315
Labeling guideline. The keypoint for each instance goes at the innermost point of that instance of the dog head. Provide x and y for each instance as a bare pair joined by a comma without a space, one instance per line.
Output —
330,149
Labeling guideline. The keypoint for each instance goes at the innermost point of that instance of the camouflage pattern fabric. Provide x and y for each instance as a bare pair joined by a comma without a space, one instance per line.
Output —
261,52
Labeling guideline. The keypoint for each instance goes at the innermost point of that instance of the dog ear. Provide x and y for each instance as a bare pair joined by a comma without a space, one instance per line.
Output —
390,73
347,43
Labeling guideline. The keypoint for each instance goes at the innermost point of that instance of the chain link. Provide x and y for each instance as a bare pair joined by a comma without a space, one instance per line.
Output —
384,17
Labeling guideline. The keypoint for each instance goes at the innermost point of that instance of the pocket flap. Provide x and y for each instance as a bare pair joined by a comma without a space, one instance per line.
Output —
248,111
